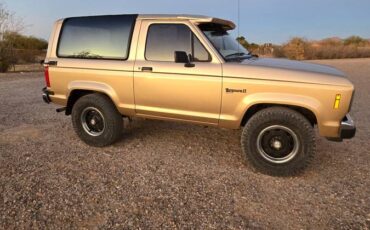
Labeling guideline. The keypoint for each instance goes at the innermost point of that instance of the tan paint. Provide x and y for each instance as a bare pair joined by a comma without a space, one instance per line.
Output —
192,94
197,95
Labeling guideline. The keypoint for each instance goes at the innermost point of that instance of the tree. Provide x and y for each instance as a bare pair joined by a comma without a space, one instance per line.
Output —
246,44
8,23
243,42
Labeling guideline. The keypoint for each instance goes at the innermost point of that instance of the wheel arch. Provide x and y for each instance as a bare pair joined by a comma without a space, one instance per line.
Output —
79,89
307,106
307,113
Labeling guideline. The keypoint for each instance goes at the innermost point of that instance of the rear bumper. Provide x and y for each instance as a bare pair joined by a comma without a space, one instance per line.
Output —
45,95
347,128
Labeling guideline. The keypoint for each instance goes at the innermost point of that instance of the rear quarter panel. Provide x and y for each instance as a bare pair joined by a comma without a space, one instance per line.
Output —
111,77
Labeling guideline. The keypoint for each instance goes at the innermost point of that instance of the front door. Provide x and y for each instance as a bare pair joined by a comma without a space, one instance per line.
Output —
165,89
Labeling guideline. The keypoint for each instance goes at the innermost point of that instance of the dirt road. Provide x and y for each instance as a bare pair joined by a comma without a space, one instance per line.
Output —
168,175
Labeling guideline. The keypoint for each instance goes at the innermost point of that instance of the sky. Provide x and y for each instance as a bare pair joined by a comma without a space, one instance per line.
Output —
261,21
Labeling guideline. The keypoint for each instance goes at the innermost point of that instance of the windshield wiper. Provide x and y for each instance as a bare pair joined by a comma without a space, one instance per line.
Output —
240,56
236,54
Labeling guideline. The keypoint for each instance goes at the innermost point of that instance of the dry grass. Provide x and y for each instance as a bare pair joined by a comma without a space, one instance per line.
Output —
36,67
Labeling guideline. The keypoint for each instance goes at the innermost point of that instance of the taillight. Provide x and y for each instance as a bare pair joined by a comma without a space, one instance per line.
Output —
46,73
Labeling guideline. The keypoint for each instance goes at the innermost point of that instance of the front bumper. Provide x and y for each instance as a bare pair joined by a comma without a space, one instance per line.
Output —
347,128
45,95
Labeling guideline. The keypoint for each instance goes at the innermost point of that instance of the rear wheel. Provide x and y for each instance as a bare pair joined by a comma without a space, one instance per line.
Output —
278,141
96,120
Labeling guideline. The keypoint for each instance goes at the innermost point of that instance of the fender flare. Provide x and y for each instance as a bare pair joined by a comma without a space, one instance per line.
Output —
283,99
94,86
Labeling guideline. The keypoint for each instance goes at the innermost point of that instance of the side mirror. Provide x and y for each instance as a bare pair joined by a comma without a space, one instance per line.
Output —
182,57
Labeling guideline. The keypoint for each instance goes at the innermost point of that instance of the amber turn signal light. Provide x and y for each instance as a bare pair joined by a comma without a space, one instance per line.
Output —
337,101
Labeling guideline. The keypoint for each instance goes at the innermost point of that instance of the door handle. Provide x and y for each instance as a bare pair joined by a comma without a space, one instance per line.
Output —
146,69
51,63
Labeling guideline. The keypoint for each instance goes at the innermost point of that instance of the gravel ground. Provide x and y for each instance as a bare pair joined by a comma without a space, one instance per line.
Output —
170,175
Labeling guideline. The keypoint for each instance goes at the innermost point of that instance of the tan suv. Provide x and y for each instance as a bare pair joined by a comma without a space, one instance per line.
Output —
188,68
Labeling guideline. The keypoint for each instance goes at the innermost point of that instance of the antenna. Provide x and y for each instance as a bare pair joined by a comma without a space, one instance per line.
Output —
238,26
238,18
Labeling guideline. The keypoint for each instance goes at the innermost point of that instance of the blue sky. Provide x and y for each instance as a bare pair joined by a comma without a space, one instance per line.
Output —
261,20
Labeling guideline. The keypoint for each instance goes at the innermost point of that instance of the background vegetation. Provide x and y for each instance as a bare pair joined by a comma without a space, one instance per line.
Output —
303,49
16,48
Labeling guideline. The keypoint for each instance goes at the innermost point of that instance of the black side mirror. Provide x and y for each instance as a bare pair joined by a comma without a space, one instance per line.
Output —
182,57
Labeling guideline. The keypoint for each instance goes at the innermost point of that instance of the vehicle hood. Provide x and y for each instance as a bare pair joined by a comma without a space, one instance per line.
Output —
294,65
286,70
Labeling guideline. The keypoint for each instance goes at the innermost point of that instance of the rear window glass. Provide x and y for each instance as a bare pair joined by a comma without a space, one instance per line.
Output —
97,37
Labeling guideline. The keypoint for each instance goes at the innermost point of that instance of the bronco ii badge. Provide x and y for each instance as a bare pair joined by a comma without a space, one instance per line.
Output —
228,90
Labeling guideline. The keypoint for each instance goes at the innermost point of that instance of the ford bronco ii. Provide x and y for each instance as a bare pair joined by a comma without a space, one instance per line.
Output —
188,68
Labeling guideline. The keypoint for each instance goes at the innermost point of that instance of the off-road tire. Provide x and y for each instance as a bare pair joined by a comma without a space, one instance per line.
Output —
286,117
112,120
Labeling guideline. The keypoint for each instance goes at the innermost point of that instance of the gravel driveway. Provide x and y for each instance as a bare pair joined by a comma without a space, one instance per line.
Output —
170,175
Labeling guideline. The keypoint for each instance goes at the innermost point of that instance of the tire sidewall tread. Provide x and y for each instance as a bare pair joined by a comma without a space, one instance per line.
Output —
113,119
286,117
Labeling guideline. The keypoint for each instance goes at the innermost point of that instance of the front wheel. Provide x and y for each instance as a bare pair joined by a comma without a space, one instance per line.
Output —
96,120
278,141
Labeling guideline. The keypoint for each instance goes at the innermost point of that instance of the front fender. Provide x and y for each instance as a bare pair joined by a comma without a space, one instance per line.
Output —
232,117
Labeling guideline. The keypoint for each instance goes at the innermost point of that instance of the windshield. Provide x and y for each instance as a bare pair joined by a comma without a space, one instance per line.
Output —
226,45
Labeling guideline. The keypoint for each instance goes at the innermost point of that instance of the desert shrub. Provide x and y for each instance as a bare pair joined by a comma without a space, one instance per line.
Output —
295,49
5,61
24,56
4,66
342,51
356,41
278,52
19,49
19,41
331,48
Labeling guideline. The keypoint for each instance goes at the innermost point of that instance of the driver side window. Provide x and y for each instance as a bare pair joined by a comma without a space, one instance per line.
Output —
164,39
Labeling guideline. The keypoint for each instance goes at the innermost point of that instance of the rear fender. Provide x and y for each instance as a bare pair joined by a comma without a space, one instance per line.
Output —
94,86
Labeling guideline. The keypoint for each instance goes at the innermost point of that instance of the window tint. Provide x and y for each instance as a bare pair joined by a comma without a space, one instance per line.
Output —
164,39
105,37
199,52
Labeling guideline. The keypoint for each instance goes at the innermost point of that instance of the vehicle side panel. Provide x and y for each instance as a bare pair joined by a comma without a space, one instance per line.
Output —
111,77
319,99
172,91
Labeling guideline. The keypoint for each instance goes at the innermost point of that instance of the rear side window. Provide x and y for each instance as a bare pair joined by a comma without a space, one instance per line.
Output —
97,37
164,39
